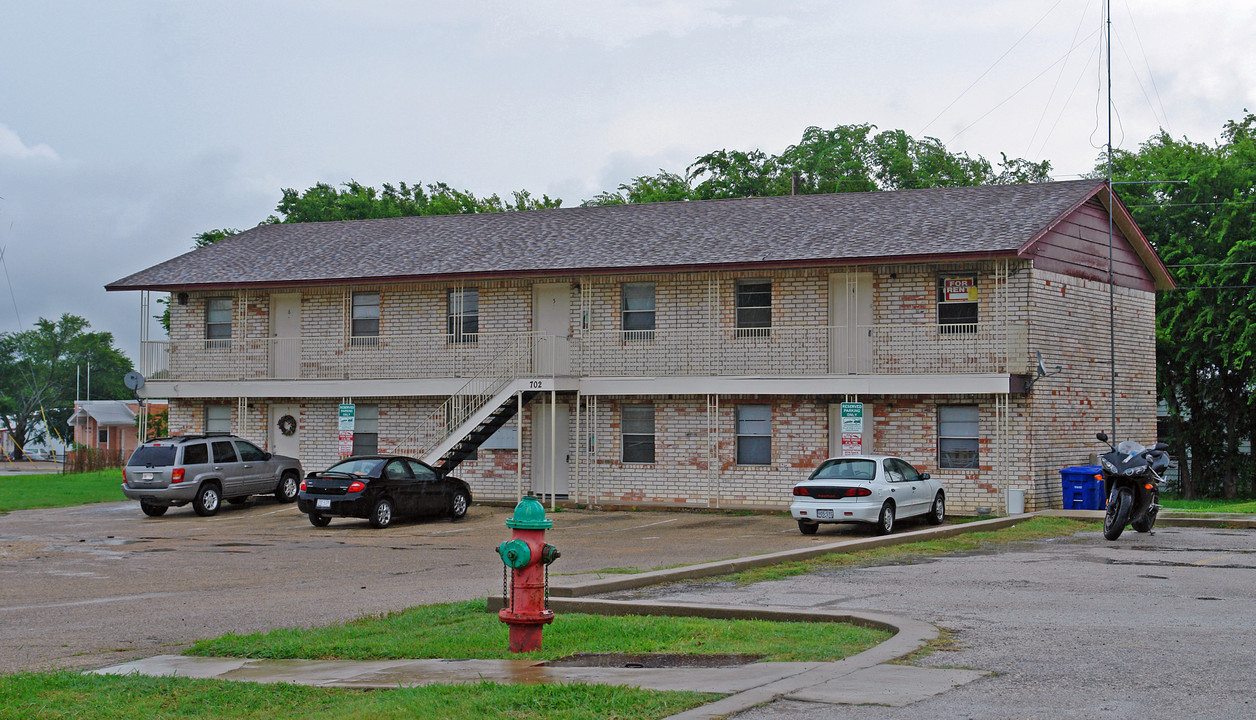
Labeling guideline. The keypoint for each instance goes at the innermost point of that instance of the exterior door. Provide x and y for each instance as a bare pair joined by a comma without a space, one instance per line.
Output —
542,448
279,443
285,334
850,323
551,318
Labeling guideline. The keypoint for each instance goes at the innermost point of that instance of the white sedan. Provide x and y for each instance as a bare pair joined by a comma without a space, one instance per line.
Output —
874,489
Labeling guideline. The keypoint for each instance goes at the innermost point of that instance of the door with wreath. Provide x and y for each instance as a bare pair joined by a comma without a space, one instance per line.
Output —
285,430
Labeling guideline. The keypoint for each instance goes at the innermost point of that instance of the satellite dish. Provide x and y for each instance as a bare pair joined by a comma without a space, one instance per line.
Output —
1042,367
133,380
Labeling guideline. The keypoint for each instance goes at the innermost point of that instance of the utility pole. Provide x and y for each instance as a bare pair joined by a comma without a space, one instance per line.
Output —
1111,206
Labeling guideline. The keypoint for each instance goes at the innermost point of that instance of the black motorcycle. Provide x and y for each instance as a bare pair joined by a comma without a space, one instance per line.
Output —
1132,475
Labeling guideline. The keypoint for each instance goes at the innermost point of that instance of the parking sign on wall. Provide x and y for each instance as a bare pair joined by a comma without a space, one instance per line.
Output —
345,440
852,428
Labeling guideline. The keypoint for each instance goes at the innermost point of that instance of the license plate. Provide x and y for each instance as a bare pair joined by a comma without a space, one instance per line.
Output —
146,476
323,504
824,514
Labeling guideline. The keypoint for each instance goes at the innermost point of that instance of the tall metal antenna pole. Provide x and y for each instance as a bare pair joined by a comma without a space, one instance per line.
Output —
1111,207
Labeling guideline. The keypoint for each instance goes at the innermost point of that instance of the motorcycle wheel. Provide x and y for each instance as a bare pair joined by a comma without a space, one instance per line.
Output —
1145,524
1118,513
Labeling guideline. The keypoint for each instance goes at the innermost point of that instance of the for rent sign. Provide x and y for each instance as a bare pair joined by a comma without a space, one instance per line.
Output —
959,289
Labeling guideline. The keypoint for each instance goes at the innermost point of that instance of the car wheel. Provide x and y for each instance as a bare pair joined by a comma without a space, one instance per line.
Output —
458,505
885,522
937,513
319,520
238,500
288,488
808,528
153,510
207,500
382,515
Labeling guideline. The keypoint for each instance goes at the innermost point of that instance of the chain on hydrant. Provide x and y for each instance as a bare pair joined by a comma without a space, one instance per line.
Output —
526,608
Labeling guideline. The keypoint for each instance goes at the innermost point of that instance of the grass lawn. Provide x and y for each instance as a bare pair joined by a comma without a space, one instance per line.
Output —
24,492
1034,529
1208,505
465,630
71,696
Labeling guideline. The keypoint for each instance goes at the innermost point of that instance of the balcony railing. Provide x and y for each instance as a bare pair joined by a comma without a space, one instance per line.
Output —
791,350
803,350
380,357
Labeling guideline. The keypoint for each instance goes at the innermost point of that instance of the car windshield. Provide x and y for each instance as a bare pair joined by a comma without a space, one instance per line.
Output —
152,456
843,469
356,466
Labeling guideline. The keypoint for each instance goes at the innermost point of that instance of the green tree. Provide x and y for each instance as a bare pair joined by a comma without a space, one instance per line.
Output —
355,201
847,158
209,237
38,374
663,187
1202,226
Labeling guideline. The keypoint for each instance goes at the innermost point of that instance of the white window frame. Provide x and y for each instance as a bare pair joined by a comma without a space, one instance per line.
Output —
365,425
217,329
637,310
364,317
970,308
746,327
744,432
637,435
462,324
949,435
217,415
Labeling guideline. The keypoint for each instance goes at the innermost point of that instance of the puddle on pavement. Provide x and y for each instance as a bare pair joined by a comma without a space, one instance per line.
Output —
651,660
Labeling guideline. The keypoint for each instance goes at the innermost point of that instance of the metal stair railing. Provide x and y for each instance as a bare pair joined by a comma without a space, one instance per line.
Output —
497,374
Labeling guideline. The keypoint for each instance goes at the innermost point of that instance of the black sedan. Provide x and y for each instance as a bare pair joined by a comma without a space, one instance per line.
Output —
380,488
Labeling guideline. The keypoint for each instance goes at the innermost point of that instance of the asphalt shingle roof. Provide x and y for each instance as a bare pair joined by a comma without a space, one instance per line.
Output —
993,219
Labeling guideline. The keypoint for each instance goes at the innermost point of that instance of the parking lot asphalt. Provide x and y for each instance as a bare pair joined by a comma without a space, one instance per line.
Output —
99,584
1149,626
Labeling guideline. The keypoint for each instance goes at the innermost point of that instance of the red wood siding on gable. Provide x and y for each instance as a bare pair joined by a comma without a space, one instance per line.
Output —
1078,246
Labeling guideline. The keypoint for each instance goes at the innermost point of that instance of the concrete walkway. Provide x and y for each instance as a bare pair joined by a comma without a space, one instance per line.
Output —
861,678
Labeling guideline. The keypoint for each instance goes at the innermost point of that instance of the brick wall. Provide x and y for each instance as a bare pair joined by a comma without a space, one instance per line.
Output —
1050,429
1070,325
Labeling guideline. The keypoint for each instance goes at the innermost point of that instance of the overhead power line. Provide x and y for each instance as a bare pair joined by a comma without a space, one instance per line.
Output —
992,66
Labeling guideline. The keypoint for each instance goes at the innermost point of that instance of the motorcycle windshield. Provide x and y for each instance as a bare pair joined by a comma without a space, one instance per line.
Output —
1130,447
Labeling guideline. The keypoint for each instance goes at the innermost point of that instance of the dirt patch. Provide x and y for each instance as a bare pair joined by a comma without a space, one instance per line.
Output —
652,660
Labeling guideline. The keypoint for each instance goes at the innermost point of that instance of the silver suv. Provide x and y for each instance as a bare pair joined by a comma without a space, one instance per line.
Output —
203,470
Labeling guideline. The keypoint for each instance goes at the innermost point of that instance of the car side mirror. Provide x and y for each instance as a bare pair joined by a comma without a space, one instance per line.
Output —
267,456
924,476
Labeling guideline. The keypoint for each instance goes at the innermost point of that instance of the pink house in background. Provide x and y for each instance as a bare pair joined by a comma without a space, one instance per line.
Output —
109,424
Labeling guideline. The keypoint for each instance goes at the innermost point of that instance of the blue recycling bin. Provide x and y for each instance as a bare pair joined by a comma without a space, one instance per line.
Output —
1081,490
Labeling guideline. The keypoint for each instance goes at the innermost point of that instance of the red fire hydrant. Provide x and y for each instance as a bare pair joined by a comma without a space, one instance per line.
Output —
528,555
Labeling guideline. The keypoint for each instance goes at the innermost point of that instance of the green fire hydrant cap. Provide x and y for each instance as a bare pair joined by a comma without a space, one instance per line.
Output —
529,515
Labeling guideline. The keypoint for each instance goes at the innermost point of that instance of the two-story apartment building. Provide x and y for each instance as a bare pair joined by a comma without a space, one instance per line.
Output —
695,354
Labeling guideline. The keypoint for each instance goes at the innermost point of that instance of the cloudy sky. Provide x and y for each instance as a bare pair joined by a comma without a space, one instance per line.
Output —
127,127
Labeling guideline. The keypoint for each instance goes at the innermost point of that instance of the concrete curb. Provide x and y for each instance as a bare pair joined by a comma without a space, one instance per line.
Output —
734,565
1169,518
